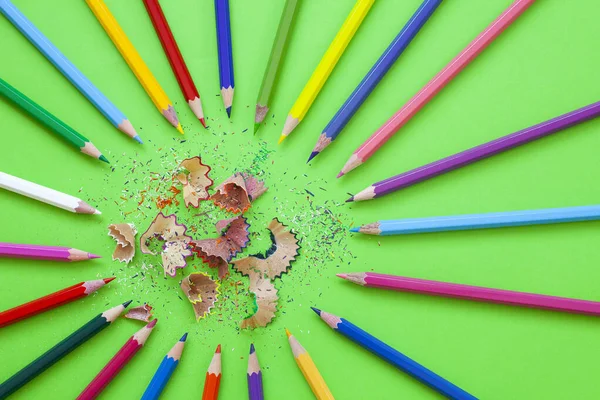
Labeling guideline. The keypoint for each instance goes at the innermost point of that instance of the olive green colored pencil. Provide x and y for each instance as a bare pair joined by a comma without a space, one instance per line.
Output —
60,350
56,125
277,51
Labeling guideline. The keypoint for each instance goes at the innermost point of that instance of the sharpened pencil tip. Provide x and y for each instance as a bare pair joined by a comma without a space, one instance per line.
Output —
152,323
102,158
203,122
106,280
127,303
340,174
350,200
97,212
356,228
92,256
228,109
184,337
218,349
180,129
256,127
252,349
138,139
281,139
316,310
288,333
343,276
312,155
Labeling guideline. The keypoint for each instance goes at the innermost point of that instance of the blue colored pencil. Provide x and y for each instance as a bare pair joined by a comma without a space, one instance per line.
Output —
225,53
393,356
165,370
255,385
374,76
481,221
70,71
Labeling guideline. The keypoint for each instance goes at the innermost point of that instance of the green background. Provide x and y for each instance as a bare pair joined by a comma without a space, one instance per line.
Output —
544,65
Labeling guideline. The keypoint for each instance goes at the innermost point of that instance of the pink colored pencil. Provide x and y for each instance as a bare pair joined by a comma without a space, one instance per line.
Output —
398,120
476,293
116,364
38,252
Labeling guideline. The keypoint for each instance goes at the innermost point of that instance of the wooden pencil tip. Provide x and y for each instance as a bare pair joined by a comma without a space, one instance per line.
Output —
343,276
106,280
92,256
312,155
252,349
97,212
228,109
184,337
316,310
281,139
218,349
256,127
340,174
356,228
203,122
287,333
350,200
152,323
180,129
102,158
127,303
138,139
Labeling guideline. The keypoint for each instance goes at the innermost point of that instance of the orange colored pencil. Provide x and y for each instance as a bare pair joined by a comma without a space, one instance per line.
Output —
213,377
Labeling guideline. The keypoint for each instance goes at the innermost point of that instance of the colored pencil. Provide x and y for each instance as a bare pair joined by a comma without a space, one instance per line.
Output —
272,70
135,62
70,71
165,370
116,364
255,385
326,66
414,105
477,153
394,357
481,221
53,300
225,53
45,195
180,70
476,293
375,75
39,252
309,369
57,126
60,350
213,377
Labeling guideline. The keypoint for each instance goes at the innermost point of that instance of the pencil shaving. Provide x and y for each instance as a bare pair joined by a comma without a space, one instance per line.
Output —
277,259
195,181
237,192
201,291
265,296
124,235
140,313
176,243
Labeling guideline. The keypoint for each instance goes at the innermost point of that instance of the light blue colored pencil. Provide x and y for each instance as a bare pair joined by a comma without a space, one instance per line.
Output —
66,67
165,370
481,221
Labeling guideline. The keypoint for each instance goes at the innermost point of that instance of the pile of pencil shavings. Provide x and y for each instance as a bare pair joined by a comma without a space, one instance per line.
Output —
235,195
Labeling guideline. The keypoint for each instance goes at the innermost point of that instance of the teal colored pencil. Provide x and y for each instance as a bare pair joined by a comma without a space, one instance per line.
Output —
165,370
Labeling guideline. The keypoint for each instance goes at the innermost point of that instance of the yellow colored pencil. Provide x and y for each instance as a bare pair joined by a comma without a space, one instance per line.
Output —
135,61
309,369
326,65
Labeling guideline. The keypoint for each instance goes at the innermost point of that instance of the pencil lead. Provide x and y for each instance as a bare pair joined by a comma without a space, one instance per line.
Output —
218,349
281,139
228,109
287,333
184,337
256,127
127,303
312,155
180,129
203,122
340,174
252,349
92,256
97,212
152,323
350,200
106,280
356,228
138,139
102,158
316,310
343,276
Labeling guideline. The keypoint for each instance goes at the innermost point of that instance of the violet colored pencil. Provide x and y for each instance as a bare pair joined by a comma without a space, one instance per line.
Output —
476,293
480,152
38,252
116,364
225,53
255,386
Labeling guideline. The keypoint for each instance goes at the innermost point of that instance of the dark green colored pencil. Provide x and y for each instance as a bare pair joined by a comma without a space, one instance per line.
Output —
50,121
63,348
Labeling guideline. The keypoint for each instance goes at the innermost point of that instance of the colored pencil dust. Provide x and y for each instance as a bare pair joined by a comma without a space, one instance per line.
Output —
414,105
255,386
169,45
326,66
477,153
70,71
117,363
135,62
165,370
374,76
60,350
213,377
475,293
225,53
309,369
272,70
47,253
53,300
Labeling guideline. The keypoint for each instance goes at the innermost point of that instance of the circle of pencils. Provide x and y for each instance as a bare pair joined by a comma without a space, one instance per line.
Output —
213,377
49,358
48,253
255,385
225,53
165,370
51,301
116,364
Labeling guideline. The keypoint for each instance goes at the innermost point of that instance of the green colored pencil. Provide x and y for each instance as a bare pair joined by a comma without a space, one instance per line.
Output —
281,39
59,127
60,350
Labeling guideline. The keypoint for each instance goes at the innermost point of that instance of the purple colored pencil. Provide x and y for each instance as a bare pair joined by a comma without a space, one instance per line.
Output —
255,387
474,154
37,252
225,53
476,293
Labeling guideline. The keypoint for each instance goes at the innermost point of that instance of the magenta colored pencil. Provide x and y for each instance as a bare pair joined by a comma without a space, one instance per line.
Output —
477,293
116,364
38,252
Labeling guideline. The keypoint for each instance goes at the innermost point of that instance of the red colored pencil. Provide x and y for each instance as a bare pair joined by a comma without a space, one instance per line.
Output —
51,301
116,364
161,26
213,377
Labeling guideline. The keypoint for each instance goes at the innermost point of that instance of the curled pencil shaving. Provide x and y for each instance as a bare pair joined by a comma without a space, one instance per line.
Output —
201,291
141,313
193,176
265,297
277,259
237,192
124,235
217,252
176,243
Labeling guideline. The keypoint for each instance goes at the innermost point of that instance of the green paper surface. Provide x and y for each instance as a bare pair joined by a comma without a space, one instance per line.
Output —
544,65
